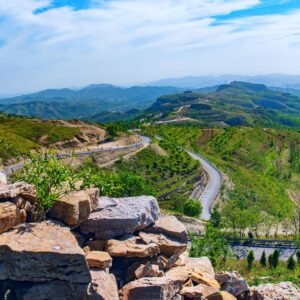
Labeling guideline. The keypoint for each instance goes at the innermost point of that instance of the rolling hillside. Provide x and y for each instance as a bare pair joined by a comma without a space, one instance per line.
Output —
70,104
238,103
20,135
263,166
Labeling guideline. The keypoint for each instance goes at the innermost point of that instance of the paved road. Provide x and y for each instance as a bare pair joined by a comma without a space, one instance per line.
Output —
144,141
212,188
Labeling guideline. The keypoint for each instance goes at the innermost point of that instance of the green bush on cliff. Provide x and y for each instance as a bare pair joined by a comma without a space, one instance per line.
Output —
192,208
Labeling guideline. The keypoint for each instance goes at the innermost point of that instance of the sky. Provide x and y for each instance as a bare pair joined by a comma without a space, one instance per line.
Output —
72,43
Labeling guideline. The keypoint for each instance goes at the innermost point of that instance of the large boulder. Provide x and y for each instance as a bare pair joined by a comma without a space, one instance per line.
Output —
10,216
39,252
169,225
233,283
11,191
115,217
74,207
166,244
281,291
103,286
154,288
131,246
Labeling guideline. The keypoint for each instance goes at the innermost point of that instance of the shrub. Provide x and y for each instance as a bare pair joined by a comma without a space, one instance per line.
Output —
192,208
276,256
270,261
250,259
298,256
263,260
291,263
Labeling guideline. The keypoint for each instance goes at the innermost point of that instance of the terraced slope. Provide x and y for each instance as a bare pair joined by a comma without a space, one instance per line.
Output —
236,104
263,166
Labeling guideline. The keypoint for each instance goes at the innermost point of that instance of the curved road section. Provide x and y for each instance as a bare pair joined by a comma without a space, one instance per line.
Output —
143,142
212,188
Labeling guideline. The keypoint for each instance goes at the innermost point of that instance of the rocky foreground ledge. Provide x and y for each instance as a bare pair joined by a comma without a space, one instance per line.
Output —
108,249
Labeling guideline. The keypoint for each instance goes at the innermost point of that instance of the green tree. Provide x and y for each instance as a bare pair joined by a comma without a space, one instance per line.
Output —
216,218
192,208
291,263
276,256
263,260
51,179
250,259
213,245
270,261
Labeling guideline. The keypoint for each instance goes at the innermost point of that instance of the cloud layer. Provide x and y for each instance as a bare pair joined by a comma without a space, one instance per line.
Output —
126,41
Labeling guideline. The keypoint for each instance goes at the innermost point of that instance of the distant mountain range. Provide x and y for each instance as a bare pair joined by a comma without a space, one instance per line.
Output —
235,104
70,104
194,82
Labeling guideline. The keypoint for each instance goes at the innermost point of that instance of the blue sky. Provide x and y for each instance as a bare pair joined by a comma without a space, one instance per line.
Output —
67,43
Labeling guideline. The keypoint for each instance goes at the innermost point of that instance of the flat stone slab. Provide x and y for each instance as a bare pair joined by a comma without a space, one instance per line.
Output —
119,216
40,252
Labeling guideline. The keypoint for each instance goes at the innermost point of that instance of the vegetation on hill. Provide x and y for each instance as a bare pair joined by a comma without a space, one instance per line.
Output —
91,100
169,170
236,104
20,135
263,165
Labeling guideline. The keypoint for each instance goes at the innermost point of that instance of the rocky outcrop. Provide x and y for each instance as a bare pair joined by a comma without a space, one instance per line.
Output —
116,217
98,260
156,288
131,246
75,207
42,252
169,225
281,291
232,283
167,245
21,189
10,216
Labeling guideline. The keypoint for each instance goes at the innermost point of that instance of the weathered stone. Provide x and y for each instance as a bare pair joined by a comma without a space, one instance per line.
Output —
233,283
122,216
221,296
98,260
202,278
74,207
11,191
148,270
167,245
200,290
97,245
10,216
3,179
155,288
103,286
281,291
39,252
131,246
94,194
201,265
170,226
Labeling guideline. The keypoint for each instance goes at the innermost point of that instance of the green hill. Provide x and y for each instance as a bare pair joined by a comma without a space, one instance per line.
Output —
263,166
20,135
238,103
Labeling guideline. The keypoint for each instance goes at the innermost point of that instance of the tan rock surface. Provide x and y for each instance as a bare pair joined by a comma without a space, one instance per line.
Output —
232,283
131,247
221,296
167,245
103,286
148,270
200,290
40,252
98,260
11,191
199,277
73,208
155,288
9,216
170,226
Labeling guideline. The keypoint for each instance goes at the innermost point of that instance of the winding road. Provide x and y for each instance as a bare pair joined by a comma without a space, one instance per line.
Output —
213,186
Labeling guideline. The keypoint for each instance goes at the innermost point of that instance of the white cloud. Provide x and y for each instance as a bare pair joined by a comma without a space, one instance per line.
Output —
129,41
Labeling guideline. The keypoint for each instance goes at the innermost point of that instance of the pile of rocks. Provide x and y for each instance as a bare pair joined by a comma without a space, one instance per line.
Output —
103,248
